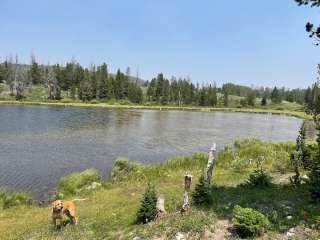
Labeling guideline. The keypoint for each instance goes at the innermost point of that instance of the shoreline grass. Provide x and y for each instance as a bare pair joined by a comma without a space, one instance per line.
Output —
291,113
109,212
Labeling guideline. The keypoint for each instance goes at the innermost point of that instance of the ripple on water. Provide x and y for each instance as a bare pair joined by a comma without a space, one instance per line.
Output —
41,144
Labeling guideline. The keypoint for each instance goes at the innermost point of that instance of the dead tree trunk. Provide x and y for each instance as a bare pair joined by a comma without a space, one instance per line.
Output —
186,194
210,163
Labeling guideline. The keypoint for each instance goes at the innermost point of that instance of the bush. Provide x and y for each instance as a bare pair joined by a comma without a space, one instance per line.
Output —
249,222
259,179
78,182
8,200
314,184
148,208
202,193
122,169
239,164
94,101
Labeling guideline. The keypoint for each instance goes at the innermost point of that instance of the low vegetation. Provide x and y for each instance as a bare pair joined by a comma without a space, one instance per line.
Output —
78,184
111,211
148,209
13,199
249,222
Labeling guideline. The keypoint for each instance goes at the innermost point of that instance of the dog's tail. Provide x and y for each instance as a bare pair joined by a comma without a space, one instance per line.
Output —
79,199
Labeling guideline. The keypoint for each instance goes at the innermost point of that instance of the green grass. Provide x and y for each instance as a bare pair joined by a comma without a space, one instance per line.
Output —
110,212
125,105
36,95
78,183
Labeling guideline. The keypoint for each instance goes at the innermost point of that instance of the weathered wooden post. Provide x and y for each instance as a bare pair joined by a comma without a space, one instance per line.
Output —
160,206
212,152
186,194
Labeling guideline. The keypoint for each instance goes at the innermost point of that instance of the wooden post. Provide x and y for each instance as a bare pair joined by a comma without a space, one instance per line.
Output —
186,194
160,206
210,163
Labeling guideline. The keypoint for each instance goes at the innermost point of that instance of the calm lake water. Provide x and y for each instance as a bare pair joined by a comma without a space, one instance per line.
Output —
38,145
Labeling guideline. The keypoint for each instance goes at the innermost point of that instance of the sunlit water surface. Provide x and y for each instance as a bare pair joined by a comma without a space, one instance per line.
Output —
39,145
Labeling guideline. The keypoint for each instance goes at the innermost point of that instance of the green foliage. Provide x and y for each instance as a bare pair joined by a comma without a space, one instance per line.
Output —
249,222
148,208
242,156
259,179
123,169
314,174
251,98
79,182
202,193
35,72
297,157
264,101
314,183
276,96
9,200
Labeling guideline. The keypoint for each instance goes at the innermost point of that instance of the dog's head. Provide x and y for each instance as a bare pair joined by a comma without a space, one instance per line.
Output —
57,206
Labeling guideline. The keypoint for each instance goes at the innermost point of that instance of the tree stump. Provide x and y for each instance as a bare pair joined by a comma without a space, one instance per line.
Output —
211,157
160,206
186,194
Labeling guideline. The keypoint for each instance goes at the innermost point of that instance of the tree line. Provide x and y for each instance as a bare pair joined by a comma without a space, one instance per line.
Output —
95,82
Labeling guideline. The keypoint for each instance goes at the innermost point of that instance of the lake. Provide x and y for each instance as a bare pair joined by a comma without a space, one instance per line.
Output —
41,144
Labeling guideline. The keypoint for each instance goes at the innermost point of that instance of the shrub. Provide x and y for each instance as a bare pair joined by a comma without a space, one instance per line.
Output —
282,162
148,209
78,182
259,179
314,184
249,222
202,193
8,200
66,100
239,164
94,101
122,169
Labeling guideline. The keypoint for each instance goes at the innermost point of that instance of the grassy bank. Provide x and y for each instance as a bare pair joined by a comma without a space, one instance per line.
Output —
110,209
277,110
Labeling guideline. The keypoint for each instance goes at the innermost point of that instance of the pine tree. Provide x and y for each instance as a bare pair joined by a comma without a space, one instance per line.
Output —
2,73
226,99
276,96
202,193
264,101
85,89
165,92
103,81
314,175
148,208
151,91
297,156
251,98
35,72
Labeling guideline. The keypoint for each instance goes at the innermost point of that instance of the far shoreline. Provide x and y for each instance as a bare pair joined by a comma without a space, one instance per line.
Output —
289,113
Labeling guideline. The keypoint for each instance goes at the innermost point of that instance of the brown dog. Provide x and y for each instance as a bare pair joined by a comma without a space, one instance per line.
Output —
60,208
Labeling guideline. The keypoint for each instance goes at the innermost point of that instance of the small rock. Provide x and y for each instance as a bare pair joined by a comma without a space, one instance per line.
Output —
291,232
305,178
180,236
289,217
136,238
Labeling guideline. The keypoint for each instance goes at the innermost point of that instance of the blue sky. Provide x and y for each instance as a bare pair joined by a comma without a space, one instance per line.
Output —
247,42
